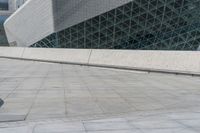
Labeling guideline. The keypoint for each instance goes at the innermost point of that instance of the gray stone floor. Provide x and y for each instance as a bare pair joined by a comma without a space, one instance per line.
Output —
57,98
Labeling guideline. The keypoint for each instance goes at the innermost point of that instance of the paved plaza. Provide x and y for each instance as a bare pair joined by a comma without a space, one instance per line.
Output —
59,98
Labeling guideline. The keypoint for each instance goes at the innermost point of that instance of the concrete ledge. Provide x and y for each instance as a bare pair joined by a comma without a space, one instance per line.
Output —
58,55
11,52
166,61
176,62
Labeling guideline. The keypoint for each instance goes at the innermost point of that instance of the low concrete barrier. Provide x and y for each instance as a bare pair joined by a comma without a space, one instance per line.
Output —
183,62
74,56
163,61
11,52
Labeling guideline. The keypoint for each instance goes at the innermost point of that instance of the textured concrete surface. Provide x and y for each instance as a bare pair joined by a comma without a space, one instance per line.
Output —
57,98
13,52
80,56
34,21
186,61
166,61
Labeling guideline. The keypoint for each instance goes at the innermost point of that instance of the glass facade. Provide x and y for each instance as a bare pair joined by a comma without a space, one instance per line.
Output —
4,5
140,24
3,38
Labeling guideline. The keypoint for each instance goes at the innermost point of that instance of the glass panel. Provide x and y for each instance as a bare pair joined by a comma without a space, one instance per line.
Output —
4,5
140,24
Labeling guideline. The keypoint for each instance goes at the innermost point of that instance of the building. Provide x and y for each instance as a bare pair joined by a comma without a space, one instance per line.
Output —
107,24
7,7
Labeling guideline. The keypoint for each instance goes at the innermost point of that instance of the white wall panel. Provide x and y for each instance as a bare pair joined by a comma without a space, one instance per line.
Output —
30,23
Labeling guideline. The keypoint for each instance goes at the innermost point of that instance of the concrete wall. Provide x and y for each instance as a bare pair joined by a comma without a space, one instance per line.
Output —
32,22
11,52
40,18
58,55
165,61
182,61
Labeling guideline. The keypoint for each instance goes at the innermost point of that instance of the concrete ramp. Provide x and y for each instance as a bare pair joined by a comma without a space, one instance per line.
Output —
183,62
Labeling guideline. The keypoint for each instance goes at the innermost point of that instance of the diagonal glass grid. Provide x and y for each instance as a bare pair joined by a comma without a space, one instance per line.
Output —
140,24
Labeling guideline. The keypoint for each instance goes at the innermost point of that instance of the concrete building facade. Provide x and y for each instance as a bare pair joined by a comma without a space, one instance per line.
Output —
7,7
107,24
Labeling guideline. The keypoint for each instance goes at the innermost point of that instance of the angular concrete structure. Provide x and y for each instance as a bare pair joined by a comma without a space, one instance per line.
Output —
40,18
88,90
7,7
107,24
34,21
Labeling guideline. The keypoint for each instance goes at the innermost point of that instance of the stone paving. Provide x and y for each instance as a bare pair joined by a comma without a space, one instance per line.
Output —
58,98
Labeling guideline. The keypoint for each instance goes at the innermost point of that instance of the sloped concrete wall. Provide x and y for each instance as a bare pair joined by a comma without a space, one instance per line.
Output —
185,62
31,23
